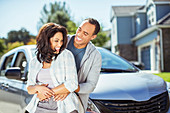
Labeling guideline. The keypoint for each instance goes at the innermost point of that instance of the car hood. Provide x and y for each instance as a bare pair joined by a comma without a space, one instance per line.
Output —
128,86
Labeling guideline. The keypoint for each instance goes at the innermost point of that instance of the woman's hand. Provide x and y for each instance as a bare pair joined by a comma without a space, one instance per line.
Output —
61,97
43,92
42,97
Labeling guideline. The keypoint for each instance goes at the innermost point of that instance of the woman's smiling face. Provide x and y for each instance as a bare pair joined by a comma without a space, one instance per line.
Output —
56,42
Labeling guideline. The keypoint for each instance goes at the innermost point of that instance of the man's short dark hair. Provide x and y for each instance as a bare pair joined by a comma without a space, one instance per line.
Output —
94,22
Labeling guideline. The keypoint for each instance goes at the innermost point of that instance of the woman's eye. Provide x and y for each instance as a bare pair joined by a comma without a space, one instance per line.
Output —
85,34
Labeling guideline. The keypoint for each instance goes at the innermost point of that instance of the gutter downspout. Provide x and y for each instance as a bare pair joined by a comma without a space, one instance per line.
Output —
161,45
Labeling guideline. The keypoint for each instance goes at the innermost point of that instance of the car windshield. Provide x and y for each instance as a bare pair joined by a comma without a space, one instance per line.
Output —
114,63
110,62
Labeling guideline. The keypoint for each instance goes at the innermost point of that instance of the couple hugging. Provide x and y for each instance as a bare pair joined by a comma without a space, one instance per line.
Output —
65,70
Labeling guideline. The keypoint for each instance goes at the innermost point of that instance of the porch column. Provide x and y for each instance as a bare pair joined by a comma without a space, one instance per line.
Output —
152,56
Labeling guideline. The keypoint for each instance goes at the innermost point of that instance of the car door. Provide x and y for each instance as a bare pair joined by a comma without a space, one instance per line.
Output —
11,90
21,61
9,96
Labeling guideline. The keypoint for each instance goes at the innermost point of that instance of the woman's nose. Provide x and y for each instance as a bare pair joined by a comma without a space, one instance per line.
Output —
59,44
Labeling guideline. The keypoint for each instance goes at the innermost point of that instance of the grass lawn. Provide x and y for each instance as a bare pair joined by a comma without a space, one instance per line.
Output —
164,75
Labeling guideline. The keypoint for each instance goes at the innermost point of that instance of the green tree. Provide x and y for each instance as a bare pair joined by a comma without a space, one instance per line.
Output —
2,46
101,39
57,13
32,41
21,36
11,46
71,27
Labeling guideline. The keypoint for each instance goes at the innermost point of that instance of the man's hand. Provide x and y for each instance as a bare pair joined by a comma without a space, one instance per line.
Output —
61,97
78,89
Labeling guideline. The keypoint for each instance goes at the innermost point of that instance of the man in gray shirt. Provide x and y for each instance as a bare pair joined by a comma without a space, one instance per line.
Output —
88,59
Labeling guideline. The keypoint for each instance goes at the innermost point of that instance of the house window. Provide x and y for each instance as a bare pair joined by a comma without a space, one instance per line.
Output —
151,15
152,19
149,22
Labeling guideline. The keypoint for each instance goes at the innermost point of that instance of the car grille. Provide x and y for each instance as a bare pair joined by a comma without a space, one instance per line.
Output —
157,104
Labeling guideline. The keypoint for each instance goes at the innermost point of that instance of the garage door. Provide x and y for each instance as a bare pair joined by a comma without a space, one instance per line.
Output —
145,54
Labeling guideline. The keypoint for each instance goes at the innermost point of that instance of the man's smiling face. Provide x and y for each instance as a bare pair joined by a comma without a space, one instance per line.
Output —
84,34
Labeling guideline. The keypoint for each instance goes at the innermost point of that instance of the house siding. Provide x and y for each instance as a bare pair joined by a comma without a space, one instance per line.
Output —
161,11
141,23
146,39
125,30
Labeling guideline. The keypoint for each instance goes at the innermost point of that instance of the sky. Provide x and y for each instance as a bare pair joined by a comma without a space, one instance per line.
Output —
17,14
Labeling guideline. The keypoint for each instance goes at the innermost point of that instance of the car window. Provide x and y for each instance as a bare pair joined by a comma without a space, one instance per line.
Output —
21,61
112,61
8,62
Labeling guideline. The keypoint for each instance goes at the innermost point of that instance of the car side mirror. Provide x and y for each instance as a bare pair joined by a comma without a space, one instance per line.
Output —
13,73
138,64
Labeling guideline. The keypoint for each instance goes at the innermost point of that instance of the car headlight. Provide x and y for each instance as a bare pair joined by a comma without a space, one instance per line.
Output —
95,106
91,108
168,86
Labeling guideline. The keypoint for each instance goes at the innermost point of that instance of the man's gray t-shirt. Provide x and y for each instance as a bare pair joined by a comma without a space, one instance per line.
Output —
78,53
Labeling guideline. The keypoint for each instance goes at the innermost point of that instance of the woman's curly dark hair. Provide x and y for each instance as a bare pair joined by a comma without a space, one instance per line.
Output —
47,31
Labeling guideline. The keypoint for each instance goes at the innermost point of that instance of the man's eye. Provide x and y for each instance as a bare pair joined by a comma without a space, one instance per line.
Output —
85,34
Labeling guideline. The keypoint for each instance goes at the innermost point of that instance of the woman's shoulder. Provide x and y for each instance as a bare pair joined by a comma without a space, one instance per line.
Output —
66,55
66,52
34,60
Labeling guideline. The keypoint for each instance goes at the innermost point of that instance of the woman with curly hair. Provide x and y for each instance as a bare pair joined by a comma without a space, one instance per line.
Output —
51,73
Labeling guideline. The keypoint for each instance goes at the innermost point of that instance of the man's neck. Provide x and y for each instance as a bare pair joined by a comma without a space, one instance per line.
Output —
79,46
